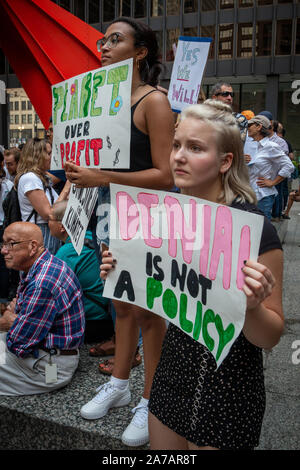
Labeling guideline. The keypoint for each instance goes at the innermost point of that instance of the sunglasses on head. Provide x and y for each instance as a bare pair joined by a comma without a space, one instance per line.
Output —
225,93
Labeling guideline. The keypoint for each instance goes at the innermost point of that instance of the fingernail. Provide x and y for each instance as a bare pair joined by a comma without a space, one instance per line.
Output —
245,261
114,260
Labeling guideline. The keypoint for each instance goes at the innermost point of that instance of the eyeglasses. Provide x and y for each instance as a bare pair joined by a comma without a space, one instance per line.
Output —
10,245
109,42
225,94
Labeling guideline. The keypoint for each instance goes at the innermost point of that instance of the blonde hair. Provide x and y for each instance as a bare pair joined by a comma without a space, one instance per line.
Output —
235,181
32,160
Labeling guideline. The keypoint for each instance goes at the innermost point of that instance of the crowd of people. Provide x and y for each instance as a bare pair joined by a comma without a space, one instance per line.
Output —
55,297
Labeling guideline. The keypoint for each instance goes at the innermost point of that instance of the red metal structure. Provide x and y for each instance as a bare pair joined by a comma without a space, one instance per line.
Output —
45,44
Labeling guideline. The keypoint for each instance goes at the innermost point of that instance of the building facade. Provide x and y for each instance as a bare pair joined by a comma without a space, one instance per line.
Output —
24,122
255,47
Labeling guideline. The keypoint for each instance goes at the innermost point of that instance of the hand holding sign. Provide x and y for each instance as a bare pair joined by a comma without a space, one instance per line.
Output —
84,177
259,283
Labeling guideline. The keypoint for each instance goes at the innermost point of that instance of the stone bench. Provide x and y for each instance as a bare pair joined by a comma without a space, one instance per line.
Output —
53,421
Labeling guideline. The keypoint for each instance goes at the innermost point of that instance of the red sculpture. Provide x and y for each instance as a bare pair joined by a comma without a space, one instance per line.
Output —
45,44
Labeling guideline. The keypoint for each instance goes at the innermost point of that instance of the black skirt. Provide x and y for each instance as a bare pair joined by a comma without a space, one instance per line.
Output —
222,407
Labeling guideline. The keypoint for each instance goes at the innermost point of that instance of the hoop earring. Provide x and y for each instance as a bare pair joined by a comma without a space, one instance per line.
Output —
137,62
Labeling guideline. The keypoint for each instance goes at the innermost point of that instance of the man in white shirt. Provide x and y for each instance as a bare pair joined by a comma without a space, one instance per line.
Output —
269,166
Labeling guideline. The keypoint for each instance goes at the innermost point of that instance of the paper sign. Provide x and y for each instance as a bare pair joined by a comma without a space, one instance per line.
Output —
91,118
78,212
188,68
181,258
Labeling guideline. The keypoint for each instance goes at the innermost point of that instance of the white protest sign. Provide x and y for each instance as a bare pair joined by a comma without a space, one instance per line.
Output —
188,68
181,258
91,118
80,206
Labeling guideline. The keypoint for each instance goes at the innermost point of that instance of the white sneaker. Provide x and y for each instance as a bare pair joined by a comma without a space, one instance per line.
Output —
137,433
108,397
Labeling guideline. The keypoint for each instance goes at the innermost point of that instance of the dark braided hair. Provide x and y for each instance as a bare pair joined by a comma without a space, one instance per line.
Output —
150,66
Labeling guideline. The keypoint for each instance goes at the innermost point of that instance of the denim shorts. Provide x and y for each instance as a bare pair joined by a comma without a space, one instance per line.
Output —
103,215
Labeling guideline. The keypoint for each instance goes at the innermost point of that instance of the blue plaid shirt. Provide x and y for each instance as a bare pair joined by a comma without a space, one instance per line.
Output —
49,309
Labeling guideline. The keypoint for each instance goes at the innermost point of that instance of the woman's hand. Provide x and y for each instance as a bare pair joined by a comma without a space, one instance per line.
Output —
85,177
259,283
108,263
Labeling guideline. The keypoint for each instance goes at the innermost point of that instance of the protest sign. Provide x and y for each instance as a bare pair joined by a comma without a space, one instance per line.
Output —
188,68
91,118
80,206
181,258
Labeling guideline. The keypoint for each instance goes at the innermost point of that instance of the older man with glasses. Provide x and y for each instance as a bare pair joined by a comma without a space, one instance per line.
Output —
223,91
44,326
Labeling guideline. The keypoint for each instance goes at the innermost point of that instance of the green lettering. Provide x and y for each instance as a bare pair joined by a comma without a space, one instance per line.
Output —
198,321
224,335
170,304
58,95
209,317
64,115
185,324
115,76
73,111
154,289
85,95
98,80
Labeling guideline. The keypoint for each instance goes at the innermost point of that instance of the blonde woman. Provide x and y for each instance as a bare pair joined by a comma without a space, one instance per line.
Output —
35,192
192,405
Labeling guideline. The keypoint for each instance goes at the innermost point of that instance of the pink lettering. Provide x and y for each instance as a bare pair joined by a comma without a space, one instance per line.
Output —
222,244
147,201
128,214
177,225
244,253
204,253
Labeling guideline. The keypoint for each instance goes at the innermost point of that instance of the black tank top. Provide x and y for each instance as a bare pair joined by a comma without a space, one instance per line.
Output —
140,148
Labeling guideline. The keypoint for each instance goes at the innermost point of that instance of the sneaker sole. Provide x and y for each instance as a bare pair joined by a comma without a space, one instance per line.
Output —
101,415
135,443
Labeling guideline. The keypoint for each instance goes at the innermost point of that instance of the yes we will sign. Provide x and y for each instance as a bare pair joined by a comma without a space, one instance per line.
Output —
188,68
181,258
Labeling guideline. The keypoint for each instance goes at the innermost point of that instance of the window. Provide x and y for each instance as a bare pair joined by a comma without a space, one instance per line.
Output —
191,31
172,37
157,8
11,105
245,3
288,114
29,106
284,37
190,6
208,5
16,119
226,41
16,105
23,105
93,11
245,31
29,118
24,119
108,10
253,97
265,2
226,4
125,8
298,37
140,8
263,38
173,7
79,7
209,32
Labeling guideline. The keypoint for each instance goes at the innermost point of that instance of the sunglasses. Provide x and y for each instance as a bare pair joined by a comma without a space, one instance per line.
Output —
225,94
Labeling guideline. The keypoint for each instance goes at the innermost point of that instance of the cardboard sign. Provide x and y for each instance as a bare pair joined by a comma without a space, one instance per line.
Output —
80,206
91,118
188,68
181,258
